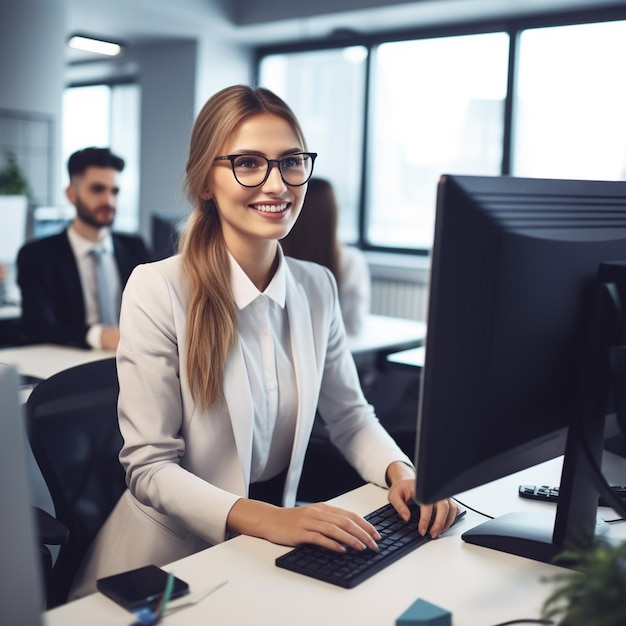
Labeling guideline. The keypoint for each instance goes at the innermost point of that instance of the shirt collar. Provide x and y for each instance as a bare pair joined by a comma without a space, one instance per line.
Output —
244,290
82,246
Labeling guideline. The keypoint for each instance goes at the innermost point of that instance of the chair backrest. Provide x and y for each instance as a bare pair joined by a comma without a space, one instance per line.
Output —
75,438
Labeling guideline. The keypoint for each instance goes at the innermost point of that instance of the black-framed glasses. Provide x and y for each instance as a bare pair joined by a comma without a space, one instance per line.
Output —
252,170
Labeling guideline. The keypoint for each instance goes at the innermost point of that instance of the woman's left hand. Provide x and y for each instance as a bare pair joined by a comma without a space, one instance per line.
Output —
434,518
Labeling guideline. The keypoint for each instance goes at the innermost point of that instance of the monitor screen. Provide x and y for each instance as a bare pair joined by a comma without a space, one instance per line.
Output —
512,358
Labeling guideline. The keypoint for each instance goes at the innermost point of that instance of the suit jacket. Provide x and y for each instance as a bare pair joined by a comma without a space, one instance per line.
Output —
185,468
53,305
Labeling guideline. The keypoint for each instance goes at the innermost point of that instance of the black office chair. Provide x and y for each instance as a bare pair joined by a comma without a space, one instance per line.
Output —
74,434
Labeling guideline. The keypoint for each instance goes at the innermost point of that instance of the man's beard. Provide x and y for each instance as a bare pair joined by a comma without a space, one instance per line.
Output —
86,216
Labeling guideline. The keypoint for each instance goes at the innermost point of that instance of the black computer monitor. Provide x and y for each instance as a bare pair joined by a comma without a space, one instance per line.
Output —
516,371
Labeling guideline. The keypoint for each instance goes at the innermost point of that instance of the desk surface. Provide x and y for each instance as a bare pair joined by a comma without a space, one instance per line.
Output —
384,334
381,334
412,358
44,360
479,586
10,312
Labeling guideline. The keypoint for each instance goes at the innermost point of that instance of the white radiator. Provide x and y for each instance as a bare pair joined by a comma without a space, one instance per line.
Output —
399,298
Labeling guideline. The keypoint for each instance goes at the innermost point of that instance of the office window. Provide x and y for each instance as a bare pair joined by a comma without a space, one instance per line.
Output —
570,102
326,90
107,115
437,107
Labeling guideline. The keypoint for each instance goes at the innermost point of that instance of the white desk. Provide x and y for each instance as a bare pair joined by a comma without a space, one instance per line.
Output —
411,358
10,312
44,360
382,334
479,586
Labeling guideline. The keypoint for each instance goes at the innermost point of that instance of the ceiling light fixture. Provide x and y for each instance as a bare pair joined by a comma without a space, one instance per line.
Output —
99,46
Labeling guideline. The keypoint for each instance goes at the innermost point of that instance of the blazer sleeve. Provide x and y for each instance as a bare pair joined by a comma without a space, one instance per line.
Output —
152,409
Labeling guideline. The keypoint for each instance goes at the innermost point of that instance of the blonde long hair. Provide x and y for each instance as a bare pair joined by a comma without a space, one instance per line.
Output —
211,312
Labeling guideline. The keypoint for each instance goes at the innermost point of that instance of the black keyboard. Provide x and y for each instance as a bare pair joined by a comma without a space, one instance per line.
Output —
351,568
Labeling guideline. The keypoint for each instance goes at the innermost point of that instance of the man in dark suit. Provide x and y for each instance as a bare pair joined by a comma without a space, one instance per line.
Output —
69,280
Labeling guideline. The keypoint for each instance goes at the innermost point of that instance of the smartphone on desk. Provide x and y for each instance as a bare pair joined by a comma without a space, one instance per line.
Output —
139,588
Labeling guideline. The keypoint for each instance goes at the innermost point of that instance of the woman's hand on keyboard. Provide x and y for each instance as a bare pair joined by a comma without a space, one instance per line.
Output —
434,518
319,524
437,518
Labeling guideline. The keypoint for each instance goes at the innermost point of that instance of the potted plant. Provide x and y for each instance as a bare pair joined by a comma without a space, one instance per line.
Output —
14,198
595,594
12,181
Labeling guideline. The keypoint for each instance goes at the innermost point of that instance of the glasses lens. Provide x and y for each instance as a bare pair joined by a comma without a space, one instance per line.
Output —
250,169
296,169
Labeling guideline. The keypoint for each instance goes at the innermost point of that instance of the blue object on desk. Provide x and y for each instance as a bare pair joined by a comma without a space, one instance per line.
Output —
422,613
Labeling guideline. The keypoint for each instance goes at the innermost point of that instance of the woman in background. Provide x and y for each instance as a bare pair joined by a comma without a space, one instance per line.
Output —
226,351
314,238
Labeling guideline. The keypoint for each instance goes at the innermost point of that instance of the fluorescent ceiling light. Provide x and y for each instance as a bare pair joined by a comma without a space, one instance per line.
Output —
89,44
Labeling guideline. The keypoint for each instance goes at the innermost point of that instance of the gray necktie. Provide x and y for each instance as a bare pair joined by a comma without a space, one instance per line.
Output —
106,301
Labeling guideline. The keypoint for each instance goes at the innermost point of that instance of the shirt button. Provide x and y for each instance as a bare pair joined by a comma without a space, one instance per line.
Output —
271,386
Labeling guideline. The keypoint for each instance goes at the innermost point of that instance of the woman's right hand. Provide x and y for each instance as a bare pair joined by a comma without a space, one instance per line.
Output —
320,524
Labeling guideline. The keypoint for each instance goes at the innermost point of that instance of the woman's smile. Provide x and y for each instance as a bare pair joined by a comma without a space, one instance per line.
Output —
271,209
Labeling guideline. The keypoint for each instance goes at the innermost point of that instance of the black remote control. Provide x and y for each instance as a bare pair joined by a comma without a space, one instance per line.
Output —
551,494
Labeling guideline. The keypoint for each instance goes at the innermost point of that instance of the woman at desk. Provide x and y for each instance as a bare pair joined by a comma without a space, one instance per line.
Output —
226,351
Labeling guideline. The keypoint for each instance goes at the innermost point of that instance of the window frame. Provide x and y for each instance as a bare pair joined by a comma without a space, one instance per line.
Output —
513,26
111,83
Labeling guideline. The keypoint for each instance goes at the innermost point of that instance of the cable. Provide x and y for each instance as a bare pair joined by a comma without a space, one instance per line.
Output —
469,508
526,621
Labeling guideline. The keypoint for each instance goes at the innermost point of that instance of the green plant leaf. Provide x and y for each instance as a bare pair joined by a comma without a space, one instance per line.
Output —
594,594
12,181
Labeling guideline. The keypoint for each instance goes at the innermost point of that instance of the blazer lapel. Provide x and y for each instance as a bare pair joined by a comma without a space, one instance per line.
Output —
240,407
307,379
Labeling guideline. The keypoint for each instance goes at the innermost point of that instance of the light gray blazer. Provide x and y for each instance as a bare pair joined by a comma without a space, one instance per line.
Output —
185,468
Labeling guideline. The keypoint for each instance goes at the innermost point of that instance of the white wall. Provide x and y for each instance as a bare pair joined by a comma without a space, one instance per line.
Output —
167,76
176,79
32,41
220,64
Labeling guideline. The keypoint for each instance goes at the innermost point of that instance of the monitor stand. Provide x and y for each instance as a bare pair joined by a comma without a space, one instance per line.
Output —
526,534
544,537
